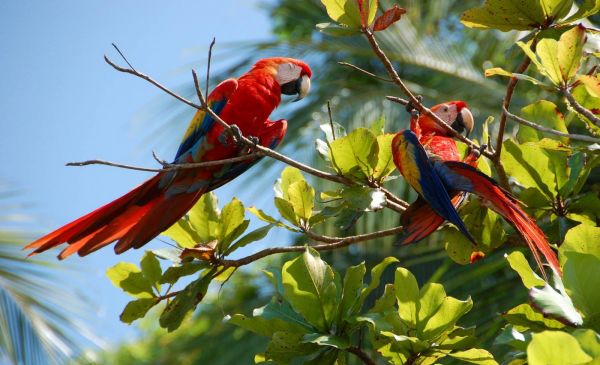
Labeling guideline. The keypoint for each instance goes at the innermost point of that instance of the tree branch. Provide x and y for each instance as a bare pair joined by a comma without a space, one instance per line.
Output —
362,70
580,108
167,166
575,137
361,355
331,243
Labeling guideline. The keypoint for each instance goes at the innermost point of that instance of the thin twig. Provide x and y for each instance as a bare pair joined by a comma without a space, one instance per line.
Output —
330,120
210,48
168,166
412,98
575,137
361,355
398,100
365,71
123,56
580,108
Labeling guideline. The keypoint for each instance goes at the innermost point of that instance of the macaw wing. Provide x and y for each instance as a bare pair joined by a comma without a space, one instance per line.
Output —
419,172
202,122
270,136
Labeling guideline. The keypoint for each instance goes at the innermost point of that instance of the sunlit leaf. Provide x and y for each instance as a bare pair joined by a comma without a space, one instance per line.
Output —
129,277
137,309
555,348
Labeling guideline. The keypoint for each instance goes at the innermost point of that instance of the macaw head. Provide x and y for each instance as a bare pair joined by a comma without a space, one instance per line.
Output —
292,75
454,113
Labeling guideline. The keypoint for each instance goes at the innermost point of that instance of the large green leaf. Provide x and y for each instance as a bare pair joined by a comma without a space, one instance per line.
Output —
544,113
519,263
355,155
555,348
302,197
130,279
309,286
474,356
407,294
582,239
232,223
581,273
506,15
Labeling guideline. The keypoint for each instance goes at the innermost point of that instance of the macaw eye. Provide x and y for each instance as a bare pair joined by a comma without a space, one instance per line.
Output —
446,108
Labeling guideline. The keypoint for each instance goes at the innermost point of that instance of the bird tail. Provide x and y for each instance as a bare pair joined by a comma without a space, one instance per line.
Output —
508,207
133,219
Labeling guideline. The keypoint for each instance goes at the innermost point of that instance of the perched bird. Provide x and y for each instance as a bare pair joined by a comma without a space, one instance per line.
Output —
420,220
149,209
428,176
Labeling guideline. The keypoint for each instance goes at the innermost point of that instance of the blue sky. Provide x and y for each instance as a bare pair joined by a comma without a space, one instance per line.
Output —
60,102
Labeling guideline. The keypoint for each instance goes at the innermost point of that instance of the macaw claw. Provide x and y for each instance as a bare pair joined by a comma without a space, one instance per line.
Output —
231,136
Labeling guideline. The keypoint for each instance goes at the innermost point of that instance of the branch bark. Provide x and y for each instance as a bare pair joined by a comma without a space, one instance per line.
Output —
574,137
580,108
358,352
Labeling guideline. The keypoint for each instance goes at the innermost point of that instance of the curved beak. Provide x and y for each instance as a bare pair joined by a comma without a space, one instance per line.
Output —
303,87
464,122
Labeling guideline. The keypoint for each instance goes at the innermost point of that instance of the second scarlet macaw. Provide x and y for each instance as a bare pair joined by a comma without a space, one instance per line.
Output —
146,211
430,175
420,220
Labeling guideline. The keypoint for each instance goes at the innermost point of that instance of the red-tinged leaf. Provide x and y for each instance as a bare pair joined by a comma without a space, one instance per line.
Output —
388,18
363,15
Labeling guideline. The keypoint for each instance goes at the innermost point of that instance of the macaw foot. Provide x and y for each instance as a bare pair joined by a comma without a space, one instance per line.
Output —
231,136
410,107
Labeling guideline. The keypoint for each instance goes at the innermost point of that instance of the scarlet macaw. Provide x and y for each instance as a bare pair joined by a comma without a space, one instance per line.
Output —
146,211
428,176
420,220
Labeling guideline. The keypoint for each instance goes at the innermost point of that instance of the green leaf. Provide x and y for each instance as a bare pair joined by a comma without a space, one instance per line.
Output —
267,218
285,346
519,263
327,340
130,279
281,309
263,326
355,155
531,166
337,30
555,348
286,209
524,317
232,224
363,199
544,113
591,83
376,273
309,287
581,273
289,175
450,310
555,304
351,288
256,235
582,239
547,53
474,356
458,247
502,72
385,161
589,341
151,269
407,294
570,51
302,197
345,12
182,233
505,15
587,8
204,218
137,309
184,302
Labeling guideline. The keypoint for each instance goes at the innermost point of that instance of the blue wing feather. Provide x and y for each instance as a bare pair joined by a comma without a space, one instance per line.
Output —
194,139
432,186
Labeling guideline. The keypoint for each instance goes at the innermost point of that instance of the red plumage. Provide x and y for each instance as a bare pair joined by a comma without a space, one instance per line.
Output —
146,211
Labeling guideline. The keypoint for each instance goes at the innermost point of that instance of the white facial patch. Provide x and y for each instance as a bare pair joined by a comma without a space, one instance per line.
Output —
287,72
447,113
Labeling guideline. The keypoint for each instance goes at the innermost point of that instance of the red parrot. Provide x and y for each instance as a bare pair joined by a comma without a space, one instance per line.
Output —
146,211
420,220
434,178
